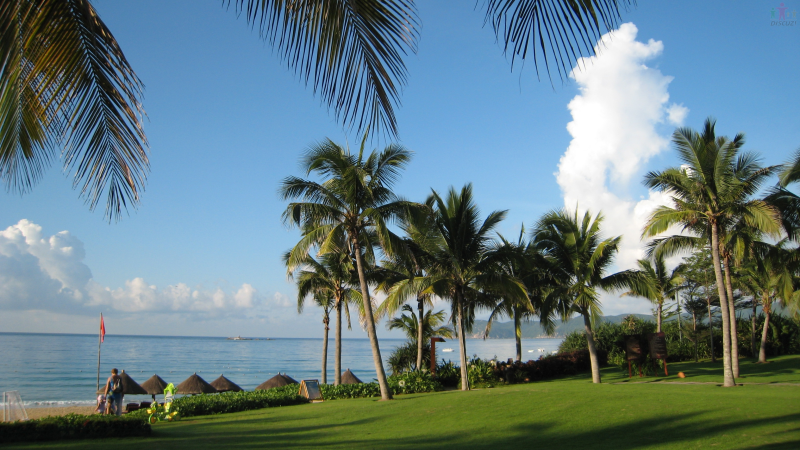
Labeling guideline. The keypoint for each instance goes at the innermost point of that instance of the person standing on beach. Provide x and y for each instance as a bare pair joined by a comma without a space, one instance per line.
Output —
113,393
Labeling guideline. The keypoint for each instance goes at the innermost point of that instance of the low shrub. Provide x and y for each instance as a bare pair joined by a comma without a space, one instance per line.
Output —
360,390
413,382
73,426
227,402
546,367
448,374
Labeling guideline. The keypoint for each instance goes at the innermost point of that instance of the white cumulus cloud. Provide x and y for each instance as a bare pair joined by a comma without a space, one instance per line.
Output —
614,129
615,124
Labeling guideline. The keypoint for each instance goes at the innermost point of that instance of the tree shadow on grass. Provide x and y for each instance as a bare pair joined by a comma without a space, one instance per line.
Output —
668,431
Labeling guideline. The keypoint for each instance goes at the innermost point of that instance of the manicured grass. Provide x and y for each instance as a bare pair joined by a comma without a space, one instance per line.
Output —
780,369
570,413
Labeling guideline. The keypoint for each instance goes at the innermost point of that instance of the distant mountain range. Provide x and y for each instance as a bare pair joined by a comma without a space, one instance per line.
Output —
505,330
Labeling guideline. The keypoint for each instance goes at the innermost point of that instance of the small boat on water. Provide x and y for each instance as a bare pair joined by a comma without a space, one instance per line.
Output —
447,350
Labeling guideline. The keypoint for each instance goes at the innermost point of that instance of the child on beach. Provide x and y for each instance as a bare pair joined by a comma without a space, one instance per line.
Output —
101,404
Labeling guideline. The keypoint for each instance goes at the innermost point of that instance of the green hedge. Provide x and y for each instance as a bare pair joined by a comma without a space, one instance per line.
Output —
406,383
228,402
73,426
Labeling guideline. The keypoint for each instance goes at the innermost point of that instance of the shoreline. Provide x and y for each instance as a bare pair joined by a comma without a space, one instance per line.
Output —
40,412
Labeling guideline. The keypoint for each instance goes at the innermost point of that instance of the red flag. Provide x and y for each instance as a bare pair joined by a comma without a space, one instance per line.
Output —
102,328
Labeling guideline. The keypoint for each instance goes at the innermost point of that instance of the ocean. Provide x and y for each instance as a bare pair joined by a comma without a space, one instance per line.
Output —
61,369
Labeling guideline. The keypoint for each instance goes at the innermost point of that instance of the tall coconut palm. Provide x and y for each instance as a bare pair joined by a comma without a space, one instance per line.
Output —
404,277
660,284
583,256
329,282
712,189
521,260
353,200
463,268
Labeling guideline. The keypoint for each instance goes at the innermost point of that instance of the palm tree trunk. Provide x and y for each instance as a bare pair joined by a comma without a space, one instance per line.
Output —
462,342
337,377
325,350
711,330
420,338
518,334
727,370
694,328
732,308
386,393
753,328
658,319
762,353
587,323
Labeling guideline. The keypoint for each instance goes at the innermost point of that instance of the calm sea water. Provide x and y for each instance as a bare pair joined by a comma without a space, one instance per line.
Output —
61,369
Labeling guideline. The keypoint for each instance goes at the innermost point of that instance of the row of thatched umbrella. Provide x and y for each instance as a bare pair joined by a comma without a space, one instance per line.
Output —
196,385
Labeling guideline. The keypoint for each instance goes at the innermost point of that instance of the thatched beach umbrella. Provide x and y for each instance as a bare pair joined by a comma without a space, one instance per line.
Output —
276,381
223,384
129,387
195,385
350,378
154,385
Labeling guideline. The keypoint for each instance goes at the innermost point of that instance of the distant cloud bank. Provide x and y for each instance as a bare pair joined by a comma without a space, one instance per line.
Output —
47,273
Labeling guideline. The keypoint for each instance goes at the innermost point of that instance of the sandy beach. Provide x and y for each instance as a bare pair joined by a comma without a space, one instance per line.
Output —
38,413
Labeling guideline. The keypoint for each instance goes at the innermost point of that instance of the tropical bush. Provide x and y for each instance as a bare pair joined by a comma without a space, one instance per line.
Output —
413,382
448,374
227,402
360,390
546,367
404,357
783,338
73,426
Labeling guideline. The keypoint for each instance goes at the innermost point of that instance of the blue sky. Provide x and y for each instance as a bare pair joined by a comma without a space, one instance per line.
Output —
227,121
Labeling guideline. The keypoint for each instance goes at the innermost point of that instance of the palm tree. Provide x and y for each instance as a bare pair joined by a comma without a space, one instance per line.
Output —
522,261
66,85
659,284
583,257
431,325
329,282
771,273
353,201
404,276
463,268
711,191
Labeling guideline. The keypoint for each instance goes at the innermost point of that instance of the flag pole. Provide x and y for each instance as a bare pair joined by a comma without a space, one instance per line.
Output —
99,342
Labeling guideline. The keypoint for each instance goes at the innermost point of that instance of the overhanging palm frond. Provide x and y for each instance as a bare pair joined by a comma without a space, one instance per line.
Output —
350,51
560,31
65,85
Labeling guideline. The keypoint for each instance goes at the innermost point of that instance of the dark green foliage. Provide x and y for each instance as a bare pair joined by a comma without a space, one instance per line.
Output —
404,357
73,426
227,402
407,383
546,367
783,339
360,390
413,382
448,374
481,373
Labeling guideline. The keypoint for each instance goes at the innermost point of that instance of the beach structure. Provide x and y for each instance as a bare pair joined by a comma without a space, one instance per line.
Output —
194,385
223,384
129,386
276,381
349,378
154,385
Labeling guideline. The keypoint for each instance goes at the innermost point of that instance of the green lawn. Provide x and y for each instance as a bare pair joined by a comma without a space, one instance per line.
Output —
570,413
783,369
